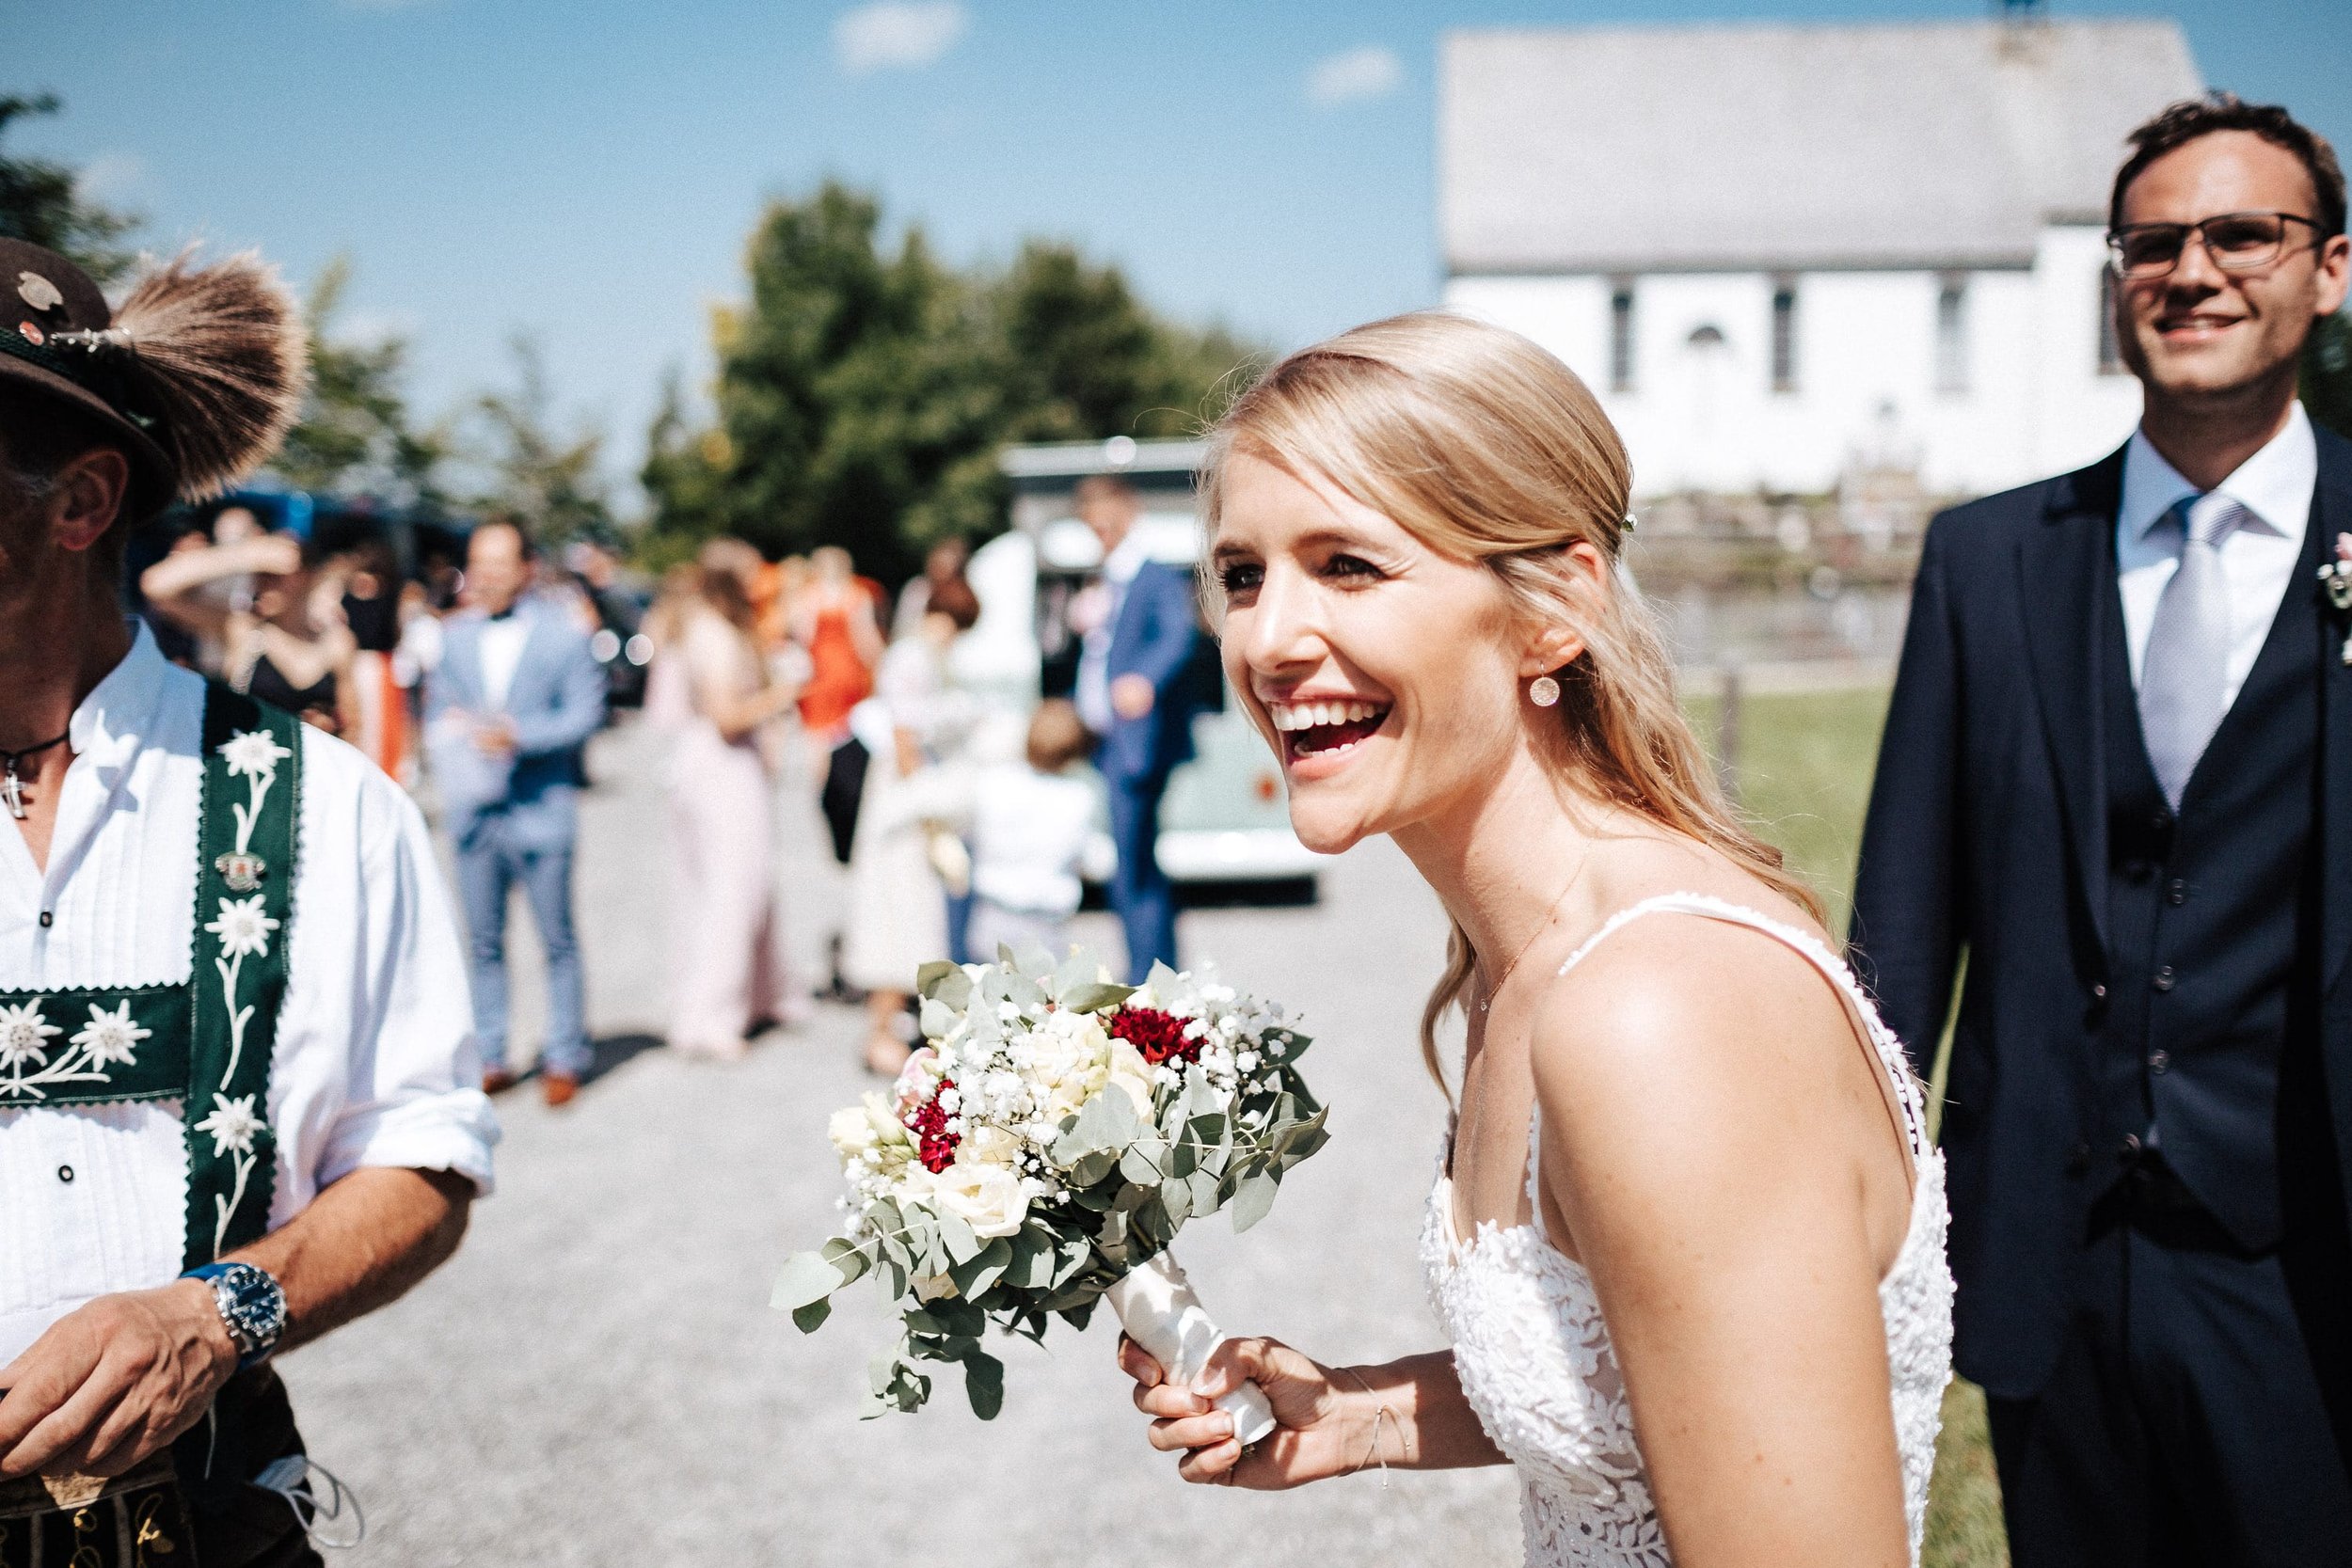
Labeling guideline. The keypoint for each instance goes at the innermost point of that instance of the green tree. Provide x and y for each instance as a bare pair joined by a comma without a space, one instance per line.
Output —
863,393
355,436
2328,373
41,201
547,482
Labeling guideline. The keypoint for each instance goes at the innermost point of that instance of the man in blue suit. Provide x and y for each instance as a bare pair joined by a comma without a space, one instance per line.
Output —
2116,776
516,697
1133,692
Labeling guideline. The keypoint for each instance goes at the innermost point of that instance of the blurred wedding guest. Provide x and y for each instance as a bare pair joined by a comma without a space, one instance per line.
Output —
275,616
719,707
514,701
372,607
944,564
1141,628
897,916
835,621
2112,810
1030,822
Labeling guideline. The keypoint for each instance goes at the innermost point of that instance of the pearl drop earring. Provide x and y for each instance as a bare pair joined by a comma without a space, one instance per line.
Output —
1543,691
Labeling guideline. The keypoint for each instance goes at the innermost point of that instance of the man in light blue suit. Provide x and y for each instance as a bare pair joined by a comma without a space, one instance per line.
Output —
516,697
1134,691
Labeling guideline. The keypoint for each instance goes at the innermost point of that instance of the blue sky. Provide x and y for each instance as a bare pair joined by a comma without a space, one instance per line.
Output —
587,171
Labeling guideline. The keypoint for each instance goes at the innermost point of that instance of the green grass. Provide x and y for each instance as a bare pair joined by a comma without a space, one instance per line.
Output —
1805,776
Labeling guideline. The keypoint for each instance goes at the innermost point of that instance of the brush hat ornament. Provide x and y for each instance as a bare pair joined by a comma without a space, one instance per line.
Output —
198,375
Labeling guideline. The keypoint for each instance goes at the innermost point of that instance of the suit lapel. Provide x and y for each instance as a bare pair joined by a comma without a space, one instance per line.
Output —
2331,515
2065,578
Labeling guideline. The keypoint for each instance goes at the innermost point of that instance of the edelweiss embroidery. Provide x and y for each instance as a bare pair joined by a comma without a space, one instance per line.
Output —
27,1072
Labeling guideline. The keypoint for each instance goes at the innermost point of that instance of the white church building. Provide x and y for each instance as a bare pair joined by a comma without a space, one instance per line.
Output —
1781,254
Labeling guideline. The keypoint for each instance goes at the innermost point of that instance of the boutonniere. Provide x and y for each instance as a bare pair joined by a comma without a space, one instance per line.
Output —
2335,581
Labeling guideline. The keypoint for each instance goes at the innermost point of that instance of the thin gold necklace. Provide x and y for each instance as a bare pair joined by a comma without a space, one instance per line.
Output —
1486,1003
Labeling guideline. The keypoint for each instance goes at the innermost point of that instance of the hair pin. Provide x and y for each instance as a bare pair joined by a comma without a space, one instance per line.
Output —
91,341
1629,524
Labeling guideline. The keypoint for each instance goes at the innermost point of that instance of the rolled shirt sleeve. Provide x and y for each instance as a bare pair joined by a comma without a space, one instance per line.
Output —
376,1062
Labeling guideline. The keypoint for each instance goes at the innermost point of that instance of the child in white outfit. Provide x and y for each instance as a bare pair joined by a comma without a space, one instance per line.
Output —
1029,826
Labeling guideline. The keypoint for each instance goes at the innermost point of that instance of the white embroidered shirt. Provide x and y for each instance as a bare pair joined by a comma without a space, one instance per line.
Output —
374,1062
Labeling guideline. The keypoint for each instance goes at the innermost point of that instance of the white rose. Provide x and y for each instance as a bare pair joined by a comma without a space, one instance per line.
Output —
853,1134
1073,1066
989,1198
989,1146
1130,1071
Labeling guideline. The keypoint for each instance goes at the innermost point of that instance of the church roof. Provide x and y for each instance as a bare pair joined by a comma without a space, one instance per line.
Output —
1743,147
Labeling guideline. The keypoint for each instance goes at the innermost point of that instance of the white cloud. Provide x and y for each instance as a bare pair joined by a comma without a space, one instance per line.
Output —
898,35
1355,76
111,177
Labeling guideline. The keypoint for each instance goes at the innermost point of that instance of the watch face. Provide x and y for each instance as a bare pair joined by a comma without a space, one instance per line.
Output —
252,1306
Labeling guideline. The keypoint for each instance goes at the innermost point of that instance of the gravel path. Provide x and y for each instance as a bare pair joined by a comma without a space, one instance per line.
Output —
596,1378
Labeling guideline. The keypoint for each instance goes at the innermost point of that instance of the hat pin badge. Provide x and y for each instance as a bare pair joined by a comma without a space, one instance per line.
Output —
38,292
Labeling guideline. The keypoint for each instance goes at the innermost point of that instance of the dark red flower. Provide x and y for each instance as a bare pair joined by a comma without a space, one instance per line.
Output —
1158,1036
934,1145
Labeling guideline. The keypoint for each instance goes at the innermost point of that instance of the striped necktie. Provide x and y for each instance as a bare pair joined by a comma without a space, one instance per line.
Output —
2185,673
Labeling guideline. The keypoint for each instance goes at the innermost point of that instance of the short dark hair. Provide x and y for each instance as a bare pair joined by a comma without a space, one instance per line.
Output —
39,436
1104,487
2192,118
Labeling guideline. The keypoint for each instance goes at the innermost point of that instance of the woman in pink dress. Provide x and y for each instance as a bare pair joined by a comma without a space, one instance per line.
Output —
713,694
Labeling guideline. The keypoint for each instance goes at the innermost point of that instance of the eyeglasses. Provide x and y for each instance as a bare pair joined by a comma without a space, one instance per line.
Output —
2236,242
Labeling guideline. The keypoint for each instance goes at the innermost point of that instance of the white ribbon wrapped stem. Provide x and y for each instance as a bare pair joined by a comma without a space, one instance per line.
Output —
1158,1308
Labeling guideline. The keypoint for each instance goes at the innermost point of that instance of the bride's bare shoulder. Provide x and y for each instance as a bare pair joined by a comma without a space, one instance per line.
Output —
1675,1028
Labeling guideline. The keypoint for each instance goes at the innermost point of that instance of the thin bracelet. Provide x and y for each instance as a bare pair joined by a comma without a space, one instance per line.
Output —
1384,1414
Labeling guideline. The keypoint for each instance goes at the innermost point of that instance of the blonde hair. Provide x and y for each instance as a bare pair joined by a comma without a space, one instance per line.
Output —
1487,449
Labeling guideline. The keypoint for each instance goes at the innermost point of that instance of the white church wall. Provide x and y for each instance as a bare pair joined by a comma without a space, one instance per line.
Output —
2083,413
1871,381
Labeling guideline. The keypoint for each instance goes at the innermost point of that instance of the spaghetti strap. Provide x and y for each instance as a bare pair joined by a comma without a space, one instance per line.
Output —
1883,1043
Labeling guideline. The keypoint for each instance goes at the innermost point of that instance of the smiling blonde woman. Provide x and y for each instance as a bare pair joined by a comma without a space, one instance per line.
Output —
1689,1192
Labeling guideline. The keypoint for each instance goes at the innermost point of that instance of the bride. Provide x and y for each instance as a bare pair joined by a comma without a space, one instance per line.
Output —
1688,1235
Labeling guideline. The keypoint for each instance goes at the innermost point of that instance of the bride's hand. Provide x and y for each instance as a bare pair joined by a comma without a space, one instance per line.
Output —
1318,1430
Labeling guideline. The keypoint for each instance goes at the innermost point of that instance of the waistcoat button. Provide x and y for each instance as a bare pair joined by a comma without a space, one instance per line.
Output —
65,1174
2176,893
2164,978
2159,819
2129,1149
48,918
2099,992
2159,1060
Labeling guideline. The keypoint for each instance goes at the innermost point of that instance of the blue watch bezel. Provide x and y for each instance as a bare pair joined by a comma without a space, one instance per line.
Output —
254,1314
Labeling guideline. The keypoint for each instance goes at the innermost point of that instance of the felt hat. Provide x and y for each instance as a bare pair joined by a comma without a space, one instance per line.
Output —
198,375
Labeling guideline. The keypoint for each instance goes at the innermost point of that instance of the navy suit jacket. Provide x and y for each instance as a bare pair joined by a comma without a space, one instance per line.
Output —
1987,833
555,703
1155,636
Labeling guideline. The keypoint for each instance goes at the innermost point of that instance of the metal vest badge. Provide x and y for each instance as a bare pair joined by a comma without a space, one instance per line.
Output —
206,1041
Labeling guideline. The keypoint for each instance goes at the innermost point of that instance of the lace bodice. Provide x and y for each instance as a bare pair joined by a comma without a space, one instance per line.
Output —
1534,1356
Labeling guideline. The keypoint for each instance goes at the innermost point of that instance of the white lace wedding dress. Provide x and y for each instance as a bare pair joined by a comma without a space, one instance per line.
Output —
1534,1356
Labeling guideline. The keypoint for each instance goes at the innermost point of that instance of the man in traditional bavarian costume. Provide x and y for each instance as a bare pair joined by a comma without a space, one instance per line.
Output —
238,1101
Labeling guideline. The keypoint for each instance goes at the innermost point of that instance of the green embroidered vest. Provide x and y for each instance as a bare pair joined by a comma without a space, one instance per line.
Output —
208,1041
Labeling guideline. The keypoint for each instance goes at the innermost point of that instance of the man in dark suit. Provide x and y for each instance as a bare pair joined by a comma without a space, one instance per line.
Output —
1133,692
2116,776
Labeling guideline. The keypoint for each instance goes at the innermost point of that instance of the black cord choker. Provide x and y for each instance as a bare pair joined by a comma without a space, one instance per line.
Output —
11,787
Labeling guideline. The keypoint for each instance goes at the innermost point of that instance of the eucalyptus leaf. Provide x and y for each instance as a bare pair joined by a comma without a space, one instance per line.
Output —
974,1274
1141,1163
811,1317
849,1258
1253,1201
936,979
956,1235
938,1018
1176,1199
984,1383
1205,1193
806,1277
1096,997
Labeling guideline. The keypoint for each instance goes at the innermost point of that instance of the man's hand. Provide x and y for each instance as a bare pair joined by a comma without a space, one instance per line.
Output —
495,736
113,1381
1131,696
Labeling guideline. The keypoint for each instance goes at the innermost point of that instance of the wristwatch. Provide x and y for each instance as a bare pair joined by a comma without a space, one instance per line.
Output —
252,1306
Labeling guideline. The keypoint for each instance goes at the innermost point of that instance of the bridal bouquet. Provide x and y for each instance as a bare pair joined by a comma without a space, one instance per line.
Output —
1040,1152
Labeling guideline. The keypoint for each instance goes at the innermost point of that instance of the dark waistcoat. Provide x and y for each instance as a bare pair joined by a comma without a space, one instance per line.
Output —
2212,980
